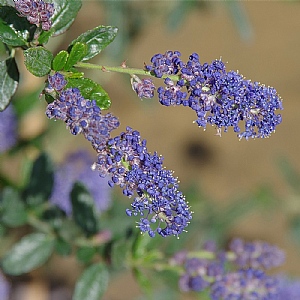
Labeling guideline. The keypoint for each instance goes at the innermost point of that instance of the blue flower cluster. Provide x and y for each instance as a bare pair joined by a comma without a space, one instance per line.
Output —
199,273
245,284
37,12
80,115
256,254
289,289
165,64
141,174
5,287
221,98
236,274
77,168
143,87
125,159
8,129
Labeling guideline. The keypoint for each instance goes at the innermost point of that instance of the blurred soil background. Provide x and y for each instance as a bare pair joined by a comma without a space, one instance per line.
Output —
264,46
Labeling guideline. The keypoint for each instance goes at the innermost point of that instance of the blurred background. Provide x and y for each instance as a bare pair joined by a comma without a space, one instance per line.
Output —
252,184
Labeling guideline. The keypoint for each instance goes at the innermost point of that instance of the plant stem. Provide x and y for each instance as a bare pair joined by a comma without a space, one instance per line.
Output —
202,254
131,71
36,223
113,69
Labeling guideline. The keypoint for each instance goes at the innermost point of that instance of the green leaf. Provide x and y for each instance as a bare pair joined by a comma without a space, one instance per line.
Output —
85,254
38,61
64,14
120,249
29,253
54,216
45,36
13,209
14,30
9,36
62,247
96,40
168,292
91,90
77,53
92,284
9,79
60,60
139,247
49,98
84,210
142,280
69,231
75,74
2,230
40,185
240,17
179,13
6,2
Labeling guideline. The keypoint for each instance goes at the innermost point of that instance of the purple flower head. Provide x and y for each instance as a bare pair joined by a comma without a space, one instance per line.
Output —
125,159
192,283
80,115
289,289
228,278
8,129
37,12
165,64
221,98
172,94
77,167
199,273
143,87
56,82
245,284
179,258
5,288
256,255
141,175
